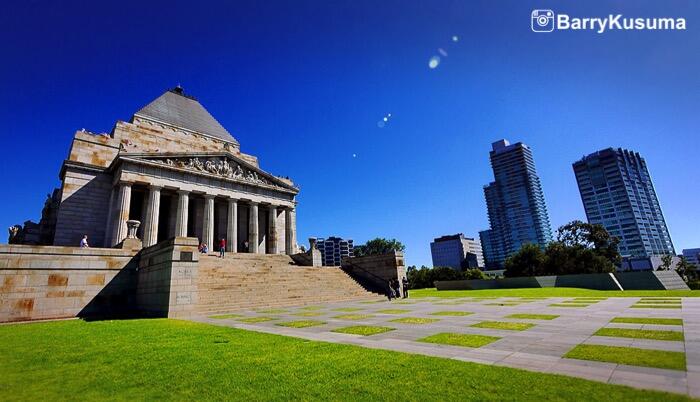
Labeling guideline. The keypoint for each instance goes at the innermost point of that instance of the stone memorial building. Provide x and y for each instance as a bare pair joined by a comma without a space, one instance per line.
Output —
177,171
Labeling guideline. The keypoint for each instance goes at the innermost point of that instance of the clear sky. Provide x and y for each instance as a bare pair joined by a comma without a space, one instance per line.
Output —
303,85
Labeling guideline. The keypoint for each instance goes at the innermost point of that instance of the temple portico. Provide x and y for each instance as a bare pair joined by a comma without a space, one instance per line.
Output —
167,211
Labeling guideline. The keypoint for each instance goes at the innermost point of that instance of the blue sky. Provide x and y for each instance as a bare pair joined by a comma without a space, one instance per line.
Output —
302,85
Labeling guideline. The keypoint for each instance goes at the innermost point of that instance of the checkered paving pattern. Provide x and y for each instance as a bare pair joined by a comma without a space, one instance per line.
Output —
540,347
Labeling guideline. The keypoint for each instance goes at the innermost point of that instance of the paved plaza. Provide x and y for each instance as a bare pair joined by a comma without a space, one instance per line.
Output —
536,347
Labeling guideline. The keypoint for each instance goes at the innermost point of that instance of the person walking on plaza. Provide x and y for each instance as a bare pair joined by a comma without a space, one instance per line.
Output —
404,281
397,288
390,290
222,247
84,242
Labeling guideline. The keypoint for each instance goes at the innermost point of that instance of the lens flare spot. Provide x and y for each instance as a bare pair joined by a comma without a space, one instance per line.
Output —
434,62
455,38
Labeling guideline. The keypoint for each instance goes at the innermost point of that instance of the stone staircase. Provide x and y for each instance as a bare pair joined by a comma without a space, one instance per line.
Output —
250,281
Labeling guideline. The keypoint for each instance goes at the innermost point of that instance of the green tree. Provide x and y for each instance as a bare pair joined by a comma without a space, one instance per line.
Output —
685,269
473,273
666,262
528,261
378,246
590,236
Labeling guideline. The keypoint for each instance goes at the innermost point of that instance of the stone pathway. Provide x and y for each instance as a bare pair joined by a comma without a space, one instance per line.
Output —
539,348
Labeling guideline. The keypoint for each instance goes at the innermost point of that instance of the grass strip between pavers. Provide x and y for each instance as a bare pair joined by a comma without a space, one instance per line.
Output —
646,320
666,306
353,317
568,305
253,320
468,340
364,330
308,314
533,316
225,316
659,302
641,334
452,313
312,308
510,326
300,324
629,356
347,309
415,320
393,311
272,311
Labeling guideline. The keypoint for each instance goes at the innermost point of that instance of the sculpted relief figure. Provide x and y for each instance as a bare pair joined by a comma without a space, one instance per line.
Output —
217,166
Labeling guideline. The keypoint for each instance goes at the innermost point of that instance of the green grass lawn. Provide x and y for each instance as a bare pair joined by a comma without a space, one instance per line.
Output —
254,320
347,309
415,320
510,326
629,356
533,316
641,334
452,313
468,340
353,316
666,306
364,330
183,361
308,314
641,320
393,311
272,311
568,305
301,323
225,316
552,292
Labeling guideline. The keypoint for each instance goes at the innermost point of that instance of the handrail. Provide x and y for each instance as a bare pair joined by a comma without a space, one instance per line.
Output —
352,265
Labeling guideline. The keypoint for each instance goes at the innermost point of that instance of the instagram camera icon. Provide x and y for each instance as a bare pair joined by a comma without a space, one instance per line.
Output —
542,21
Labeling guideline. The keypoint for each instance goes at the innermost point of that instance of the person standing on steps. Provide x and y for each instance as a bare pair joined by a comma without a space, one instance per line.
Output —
404,282
84,242
222,247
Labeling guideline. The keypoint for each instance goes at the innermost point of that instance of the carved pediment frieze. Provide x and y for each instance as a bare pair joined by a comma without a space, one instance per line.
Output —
222,166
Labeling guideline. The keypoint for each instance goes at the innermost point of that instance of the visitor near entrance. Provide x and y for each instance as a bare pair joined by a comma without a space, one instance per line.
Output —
222,247
84,242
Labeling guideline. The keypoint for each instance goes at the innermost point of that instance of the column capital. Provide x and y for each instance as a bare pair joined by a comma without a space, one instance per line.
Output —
209,196
183,192
153,187
253,203
124,183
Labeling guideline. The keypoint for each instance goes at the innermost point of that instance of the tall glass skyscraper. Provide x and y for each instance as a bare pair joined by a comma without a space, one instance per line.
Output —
515,203
617,192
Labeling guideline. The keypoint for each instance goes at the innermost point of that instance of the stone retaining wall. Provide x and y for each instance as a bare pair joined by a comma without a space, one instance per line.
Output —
647,280
167,278
42,282
374,271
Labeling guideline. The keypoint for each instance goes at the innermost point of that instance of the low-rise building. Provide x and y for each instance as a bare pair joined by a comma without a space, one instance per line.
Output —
693,256
457,251
333,249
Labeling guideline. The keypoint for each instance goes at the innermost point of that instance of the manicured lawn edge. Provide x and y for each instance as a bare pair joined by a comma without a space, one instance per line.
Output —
629,356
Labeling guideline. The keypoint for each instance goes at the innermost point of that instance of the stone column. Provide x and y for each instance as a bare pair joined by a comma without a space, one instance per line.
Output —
272,237
150,230
183,203
208,227
253,228
122,213
232,226
290,231
107,241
